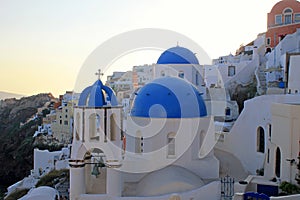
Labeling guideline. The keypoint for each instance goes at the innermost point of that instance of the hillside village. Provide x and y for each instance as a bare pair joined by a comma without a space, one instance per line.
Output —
241,115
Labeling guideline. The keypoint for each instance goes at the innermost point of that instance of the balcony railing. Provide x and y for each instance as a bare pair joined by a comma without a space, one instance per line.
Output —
283,24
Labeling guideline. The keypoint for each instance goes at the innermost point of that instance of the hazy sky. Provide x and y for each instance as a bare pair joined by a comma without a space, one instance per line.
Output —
43,43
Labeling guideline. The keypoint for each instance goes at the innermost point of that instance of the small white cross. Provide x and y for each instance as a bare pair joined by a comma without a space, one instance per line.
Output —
99,73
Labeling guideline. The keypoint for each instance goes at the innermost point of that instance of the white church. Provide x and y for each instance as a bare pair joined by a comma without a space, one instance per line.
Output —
166,149
170,147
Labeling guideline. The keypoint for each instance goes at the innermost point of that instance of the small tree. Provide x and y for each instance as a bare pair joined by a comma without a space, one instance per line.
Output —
289,188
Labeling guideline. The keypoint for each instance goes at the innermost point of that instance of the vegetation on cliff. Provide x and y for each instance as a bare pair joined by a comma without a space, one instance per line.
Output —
16,146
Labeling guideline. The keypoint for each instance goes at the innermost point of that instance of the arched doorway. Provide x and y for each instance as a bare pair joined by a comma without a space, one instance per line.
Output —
277,162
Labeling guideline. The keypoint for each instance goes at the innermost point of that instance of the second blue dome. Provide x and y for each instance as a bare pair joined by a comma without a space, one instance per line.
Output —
178,55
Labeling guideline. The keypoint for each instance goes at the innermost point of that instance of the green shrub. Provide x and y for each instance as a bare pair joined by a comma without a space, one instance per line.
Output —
289,188
50,178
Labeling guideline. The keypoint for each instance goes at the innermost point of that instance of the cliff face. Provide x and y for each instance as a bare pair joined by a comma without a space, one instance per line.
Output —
16,151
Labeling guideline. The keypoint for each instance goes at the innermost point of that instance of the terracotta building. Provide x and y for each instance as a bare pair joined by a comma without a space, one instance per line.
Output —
283,19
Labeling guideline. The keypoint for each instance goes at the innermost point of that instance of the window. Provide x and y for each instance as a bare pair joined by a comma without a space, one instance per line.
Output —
277,162
227,111
278,19
197,78
231,70
260,143
65,122
287,19
268,156
162,73
60,121
181,74
287,10
268,41
287,16
171,144
297,17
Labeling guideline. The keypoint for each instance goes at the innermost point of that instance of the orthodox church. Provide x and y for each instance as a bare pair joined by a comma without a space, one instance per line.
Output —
163,149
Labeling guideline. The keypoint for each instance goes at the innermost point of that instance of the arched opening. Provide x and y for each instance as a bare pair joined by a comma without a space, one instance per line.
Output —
171,144
197,144
181,74
94,126
260,144
277,162
268,50
95,172
162,73
113,127
77,127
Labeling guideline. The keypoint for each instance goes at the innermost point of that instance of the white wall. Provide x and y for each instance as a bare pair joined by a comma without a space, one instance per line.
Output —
44,160
154,132
294,74
285,136
241,141
212,191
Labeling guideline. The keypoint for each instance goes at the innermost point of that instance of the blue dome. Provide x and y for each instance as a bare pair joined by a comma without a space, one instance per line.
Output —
94,96
177,55
168,97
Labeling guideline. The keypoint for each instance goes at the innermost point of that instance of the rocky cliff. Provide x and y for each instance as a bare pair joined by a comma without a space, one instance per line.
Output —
16,150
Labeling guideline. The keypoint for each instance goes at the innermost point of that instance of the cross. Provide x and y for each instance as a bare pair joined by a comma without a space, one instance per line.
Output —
99,73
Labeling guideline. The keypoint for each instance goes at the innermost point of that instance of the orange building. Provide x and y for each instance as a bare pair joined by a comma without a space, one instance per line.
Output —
283,19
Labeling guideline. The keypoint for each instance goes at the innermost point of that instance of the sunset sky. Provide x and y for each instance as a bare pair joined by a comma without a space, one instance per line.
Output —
43,43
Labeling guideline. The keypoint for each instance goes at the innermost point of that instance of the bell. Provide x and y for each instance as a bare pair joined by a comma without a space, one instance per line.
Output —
101,163
95,171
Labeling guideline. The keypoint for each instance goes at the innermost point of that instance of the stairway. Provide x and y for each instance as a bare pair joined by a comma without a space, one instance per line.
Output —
261,79
63,188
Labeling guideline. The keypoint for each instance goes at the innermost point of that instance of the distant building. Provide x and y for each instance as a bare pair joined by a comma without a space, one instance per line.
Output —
283,19
113,79
62,126
141,75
